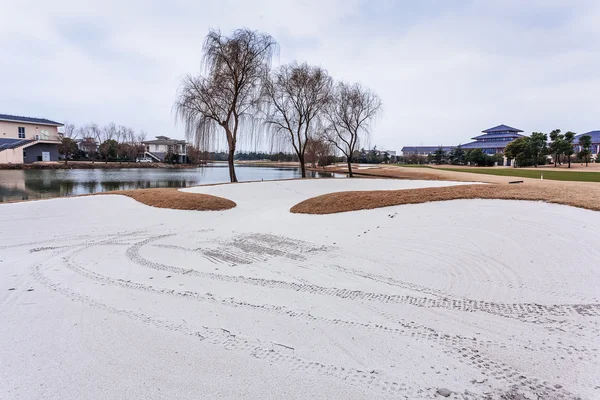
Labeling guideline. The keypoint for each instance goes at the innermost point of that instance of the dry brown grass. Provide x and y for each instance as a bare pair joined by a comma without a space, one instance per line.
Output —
176,199
571,195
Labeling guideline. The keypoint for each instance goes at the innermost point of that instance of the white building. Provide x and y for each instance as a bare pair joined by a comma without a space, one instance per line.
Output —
159,148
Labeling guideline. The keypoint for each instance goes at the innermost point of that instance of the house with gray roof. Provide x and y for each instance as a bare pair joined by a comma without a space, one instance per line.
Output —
27,140
163,146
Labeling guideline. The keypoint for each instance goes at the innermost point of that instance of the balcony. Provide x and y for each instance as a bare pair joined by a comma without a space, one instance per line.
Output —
47,137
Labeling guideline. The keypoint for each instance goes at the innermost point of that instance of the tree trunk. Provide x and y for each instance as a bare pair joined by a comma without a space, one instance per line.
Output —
302,167
569,159
349,168
555,158
232,176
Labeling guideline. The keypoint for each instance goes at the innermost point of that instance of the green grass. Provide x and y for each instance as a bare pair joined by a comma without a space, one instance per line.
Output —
532,173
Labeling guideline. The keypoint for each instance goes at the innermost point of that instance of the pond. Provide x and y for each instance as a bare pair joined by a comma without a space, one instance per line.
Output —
38,184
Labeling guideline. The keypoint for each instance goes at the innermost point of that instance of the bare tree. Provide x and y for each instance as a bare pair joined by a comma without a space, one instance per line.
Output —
68,131
317,151
95,132
229,95
110,132
298,95
141,136
351,110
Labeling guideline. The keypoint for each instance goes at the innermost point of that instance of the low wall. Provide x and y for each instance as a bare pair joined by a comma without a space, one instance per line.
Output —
11,156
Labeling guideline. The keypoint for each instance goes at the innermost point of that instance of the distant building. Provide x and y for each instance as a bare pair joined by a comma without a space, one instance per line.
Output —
87,145
159,148
408,151
493,141
595,149
27,140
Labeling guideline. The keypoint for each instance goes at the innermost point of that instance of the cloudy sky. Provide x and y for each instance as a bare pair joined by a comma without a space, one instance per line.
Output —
445,69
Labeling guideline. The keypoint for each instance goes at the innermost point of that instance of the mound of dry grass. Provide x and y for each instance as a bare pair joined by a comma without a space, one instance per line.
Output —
177,200
365,200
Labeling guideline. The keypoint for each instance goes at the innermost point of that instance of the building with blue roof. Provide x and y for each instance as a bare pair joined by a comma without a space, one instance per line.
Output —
492,141
595,149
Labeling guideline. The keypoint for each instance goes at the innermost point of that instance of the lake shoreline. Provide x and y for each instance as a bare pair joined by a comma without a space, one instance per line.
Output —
36,183
94,165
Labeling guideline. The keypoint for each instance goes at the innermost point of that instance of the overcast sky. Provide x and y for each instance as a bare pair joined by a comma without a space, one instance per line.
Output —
445,69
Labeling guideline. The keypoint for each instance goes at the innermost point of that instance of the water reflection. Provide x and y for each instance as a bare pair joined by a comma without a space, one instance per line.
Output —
37,184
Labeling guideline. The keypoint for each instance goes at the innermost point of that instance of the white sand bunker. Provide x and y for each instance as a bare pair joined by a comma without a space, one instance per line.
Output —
103,297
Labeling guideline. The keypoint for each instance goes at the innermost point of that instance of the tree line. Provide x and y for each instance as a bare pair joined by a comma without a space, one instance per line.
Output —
313,159
460,156
298,104
526,151
110,142
534,149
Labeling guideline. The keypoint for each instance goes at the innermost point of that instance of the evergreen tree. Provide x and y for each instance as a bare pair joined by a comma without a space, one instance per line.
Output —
585,142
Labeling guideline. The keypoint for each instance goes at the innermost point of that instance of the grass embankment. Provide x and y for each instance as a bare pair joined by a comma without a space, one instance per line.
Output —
576,176
560,175
365,200
176,199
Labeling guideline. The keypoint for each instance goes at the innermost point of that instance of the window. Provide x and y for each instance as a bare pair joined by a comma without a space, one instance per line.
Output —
21,132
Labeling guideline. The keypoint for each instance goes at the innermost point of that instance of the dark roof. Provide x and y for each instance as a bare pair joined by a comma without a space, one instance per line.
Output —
502,128
594,134
164,141
425,149
10,143
482,144
29,120
487,136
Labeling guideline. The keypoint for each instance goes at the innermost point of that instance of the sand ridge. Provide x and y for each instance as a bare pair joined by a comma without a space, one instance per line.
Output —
175,199
363,200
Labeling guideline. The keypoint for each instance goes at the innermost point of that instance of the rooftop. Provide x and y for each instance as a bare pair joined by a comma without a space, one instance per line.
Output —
499,135
594,134
483,144
29,120
502,128
422,149
164,140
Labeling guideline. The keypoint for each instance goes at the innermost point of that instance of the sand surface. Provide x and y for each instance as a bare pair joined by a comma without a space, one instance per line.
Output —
102,297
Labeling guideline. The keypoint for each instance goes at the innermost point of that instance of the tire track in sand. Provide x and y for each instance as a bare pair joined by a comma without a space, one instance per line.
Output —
526,312
465,350
371,380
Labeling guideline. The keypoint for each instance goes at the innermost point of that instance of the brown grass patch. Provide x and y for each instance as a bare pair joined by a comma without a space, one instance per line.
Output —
365,200
176,199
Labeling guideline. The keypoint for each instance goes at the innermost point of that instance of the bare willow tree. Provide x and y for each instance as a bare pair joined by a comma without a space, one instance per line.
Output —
318,151
349,114
232,90
297,98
